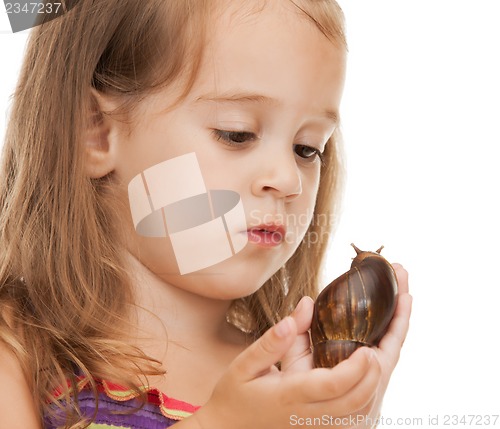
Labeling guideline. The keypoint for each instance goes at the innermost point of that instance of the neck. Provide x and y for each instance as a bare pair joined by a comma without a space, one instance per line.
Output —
185,317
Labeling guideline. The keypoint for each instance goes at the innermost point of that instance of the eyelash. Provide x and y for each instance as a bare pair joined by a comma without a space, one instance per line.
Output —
234,138
240,138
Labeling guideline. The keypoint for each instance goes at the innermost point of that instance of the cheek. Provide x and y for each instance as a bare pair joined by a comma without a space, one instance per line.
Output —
157,255
301,211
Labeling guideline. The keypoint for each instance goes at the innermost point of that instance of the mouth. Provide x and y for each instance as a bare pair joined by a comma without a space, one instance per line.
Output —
271,235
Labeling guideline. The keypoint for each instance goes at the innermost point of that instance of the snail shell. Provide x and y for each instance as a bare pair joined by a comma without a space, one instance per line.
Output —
354,310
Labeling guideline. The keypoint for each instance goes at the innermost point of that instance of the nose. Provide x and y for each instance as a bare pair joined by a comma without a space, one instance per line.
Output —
278,175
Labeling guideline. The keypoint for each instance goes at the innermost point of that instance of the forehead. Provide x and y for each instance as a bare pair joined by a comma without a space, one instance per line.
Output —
232,17
270,48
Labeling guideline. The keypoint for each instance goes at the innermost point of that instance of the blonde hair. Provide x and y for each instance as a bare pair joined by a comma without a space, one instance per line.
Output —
63,284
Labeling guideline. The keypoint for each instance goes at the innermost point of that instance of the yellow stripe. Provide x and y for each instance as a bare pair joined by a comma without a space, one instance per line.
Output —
177,413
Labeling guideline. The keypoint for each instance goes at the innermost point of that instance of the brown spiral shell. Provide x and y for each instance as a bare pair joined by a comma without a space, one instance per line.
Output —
354,310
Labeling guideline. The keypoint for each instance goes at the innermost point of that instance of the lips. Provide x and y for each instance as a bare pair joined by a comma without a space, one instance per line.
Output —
269,235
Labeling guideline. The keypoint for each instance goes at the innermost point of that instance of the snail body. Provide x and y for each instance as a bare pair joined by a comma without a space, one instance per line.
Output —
354,310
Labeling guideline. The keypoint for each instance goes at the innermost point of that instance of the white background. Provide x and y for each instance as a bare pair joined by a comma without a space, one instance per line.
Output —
421,124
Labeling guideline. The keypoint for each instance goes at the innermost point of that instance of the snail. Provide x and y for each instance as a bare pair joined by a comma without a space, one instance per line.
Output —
354,310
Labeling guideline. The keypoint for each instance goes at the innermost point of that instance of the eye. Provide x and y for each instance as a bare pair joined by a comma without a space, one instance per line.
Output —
234,138
307,153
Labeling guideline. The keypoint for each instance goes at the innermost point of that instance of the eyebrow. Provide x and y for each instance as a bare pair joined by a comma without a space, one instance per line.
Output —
251,98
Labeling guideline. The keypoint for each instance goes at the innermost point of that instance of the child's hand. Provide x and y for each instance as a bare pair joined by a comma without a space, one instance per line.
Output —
255,394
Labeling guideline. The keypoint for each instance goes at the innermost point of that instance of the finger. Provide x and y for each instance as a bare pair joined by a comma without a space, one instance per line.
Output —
401,321
303,314
364,393
257,359
393,340
360,396
298,357
323,384
402,276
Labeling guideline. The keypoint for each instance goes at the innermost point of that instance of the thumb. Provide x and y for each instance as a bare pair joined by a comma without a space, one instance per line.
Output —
258,359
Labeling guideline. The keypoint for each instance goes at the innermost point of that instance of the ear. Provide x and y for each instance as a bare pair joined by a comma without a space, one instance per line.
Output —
100,138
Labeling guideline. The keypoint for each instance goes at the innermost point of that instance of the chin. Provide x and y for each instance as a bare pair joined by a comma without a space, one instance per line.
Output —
236,277
231,279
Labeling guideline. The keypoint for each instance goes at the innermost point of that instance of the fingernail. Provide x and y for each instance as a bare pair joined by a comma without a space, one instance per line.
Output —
282,328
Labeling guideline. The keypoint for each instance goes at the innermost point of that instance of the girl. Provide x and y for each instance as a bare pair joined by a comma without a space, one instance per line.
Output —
165,170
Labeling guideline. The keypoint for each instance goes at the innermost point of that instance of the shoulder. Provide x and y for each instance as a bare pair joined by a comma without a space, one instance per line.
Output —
17,406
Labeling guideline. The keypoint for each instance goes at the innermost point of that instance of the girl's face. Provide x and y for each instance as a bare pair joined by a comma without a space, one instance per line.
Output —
264,105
